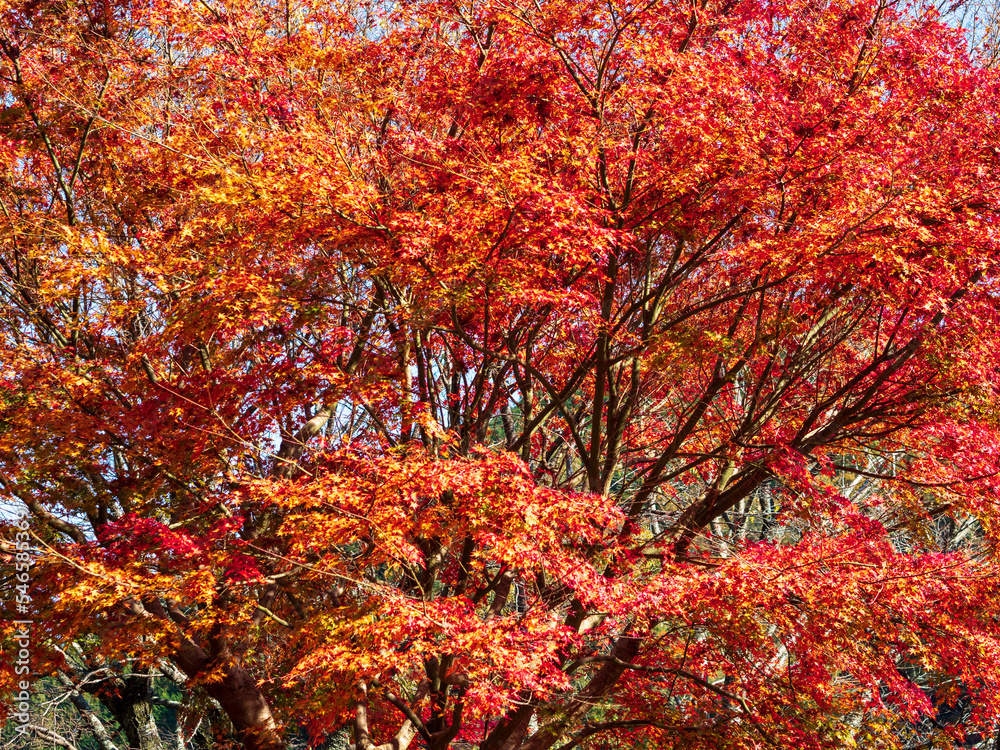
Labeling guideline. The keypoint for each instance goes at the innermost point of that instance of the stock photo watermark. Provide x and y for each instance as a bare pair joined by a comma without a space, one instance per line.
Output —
22,634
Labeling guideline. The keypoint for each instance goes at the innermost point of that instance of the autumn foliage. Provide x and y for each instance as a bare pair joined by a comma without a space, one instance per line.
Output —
509,375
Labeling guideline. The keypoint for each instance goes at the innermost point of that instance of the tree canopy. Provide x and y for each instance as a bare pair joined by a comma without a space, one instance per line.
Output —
508,375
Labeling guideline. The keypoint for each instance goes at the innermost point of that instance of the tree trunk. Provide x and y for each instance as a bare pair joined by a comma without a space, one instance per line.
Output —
247,708
129,702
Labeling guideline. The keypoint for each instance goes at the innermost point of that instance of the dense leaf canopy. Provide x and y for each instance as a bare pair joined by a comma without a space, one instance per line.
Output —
567,373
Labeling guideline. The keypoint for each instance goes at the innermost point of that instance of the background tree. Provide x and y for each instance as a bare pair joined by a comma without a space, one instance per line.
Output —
521,376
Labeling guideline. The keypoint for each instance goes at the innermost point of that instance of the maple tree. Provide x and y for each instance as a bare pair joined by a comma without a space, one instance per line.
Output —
555,374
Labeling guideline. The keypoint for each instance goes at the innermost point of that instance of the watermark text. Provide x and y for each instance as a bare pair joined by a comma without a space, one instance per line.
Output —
22,634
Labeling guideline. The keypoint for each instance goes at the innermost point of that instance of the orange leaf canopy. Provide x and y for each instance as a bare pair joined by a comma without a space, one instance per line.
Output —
530,375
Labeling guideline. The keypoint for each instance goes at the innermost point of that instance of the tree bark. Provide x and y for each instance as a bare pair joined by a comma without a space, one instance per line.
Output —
129,702
247,708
